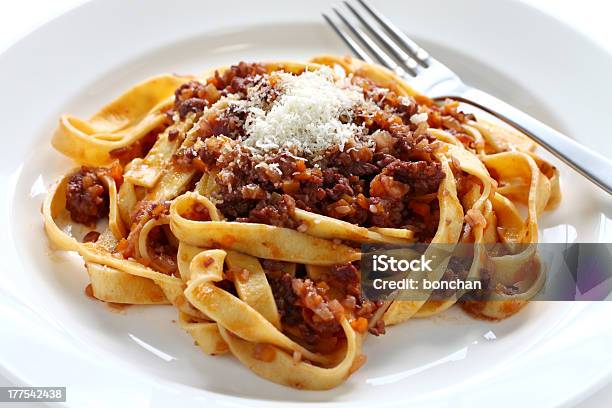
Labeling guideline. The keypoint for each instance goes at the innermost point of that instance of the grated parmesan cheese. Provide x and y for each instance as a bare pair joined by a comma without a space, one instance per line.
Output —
419,118
305,118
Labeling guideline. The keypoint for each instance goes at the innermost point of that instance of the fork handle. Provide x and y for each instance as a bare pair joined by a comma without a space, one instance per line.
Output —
590,164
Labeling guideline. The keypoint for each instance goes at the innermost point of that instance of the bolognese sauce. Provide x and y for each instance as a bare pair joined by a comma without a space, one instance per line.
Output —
376,169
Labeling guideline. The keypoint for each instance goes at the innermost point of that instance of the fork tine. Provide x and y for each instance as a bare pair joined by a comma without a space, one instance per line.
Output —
382,56
352,44
413,48
402,56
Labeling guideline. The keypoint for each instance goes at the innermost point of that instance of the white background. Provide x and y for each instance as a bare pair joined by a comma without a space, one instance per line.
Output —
592,17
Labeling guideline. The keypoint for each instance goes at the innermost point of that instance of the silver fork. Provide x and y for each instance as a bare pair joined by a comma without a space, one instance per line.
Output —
389,46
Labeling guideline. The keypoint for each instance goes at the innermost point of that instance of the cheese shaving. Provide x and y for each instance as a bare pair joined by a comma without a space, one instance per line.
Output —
311,113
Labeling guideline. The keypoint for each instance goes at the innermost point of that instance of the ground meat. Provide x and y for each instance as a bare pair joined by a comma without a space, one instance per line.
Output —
272,265
347,279
275,269
191,105
319,312
277,211
194,96
347,276
86,196
306,311
291,312
161,252
422,177
237,78
91,236
285,299
229,123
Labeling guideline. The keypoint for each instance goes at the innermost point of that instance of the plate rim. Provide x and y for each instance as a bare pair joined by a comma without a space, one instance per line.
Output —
576,397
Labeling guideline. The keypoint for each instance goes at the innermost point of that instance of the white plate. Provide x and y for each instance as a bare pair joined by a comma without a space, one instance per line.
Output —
52,334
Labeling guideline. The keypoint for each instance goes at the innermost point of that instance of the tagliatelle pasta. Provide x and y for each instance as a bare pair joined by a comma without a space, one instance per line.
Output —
242,198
